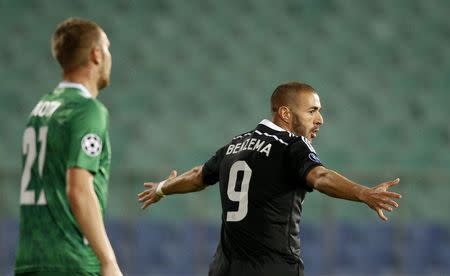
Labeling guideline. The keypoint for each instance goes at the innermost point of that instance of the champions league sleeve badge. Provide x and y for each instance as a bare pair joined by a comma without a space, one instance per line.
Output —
91,144
313,157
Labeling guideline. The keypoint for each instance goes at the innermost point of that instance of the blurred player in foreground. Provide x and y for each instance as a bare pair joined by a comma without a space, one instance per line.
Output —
66,160
264,175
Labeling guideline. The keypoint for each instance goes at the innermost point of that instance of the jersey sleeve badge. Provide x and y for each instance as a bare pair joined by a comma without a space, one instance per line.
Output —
313,157
91,144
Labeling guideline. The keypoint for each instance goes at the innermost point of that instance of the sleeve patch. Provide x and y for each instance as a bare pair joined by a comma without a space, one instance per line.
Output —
91,144
313,157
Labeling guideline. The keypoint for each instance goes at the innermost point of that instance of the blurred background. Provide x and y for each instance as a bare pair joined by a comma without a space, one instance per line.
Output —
188,75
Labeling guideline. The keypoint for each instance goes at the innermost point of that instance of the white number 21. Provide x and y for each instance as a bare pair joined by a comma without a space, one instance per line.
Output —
242,196
29,148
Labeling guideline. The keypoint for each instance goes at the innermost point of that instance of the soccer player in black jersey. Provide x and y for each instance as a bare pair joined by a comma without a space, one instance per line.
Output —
264,175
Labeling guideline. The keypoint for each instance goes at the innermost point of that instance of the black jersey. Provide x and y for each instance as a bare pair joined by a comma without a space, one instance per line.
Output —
262,176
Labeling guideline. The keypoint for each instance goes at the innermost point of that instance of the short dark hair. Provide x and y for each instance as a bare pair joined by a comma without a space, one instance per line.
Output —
284,94
72,41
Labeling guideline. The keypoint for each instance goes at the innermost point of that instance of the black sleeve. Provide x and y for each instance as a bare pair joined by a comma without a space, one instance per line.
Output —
303,158
211,168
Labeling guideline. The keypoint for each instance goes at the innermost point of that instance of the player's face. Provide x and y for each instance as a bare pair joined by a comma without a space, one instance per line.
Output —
105,68
306,119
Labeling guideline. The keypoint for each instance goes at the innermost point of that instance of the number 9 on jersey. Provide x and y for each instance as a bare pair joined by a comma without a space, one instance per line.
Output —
239,196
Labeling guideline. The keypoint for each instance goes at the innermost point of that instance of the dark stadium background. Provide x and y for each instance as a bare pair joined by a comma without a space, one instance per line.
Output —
187,75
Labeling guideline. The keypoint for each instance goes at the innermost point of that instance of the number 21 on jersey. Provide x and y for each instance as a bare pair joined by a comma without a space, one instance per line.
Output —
29,148
239,196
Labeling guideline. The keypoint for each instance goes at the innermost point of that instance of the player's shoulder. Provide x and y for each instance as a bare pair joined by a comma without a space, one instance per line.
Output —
293,141
92,106
96,105
242,135
76,95
88,111
302,142
268,130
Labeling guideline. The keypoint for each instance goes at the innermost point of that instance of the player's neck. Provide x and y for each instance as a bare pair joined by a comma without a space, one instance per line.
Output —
277,121
83,77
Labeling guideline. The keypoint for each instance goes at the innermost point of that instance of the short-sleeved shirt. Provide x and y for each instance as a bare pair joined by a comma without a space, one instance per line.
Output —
66,129
262,175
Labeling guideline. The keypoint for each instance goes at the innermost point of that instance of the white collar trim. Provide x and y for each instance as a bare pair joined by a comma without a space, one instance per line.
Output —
84,92
271,125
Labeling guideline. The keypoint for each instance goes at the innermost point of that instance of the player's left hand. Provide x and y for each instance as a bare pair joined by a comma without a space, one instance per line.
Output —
149,196
379,198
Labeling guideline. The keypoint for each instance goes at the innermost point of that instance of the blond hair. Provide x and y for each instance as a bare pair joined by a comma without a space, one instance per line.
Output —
72,41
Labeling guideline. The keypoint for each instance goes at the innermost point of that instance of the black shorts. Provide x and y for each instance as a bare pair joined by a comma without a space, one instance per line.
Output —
225,266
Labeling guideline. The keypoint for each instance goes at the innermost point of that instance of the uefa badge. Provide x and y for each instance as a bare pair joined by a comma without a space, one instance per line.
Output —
313,157
91,144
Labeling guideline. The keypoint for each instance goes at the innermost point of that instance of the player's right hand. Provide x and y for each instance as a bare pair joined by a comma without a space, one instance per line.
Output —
111,269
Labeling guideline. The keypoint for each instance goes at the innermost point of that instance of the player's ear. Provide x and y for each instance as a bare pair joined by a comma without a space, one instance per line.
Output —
284,113
96,55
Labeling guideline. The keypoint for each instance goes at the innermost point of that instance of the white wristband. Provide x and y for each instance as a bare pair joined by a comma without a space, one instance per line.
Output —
159,189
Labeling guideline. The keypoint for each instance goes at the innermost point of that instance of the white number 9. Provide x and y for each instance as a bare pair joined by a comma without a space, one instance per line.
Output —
242,196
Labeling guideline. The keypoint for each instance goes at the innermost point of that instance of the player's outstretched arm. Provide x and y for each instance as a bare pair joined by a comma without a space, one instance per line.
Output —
190,181
333,184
